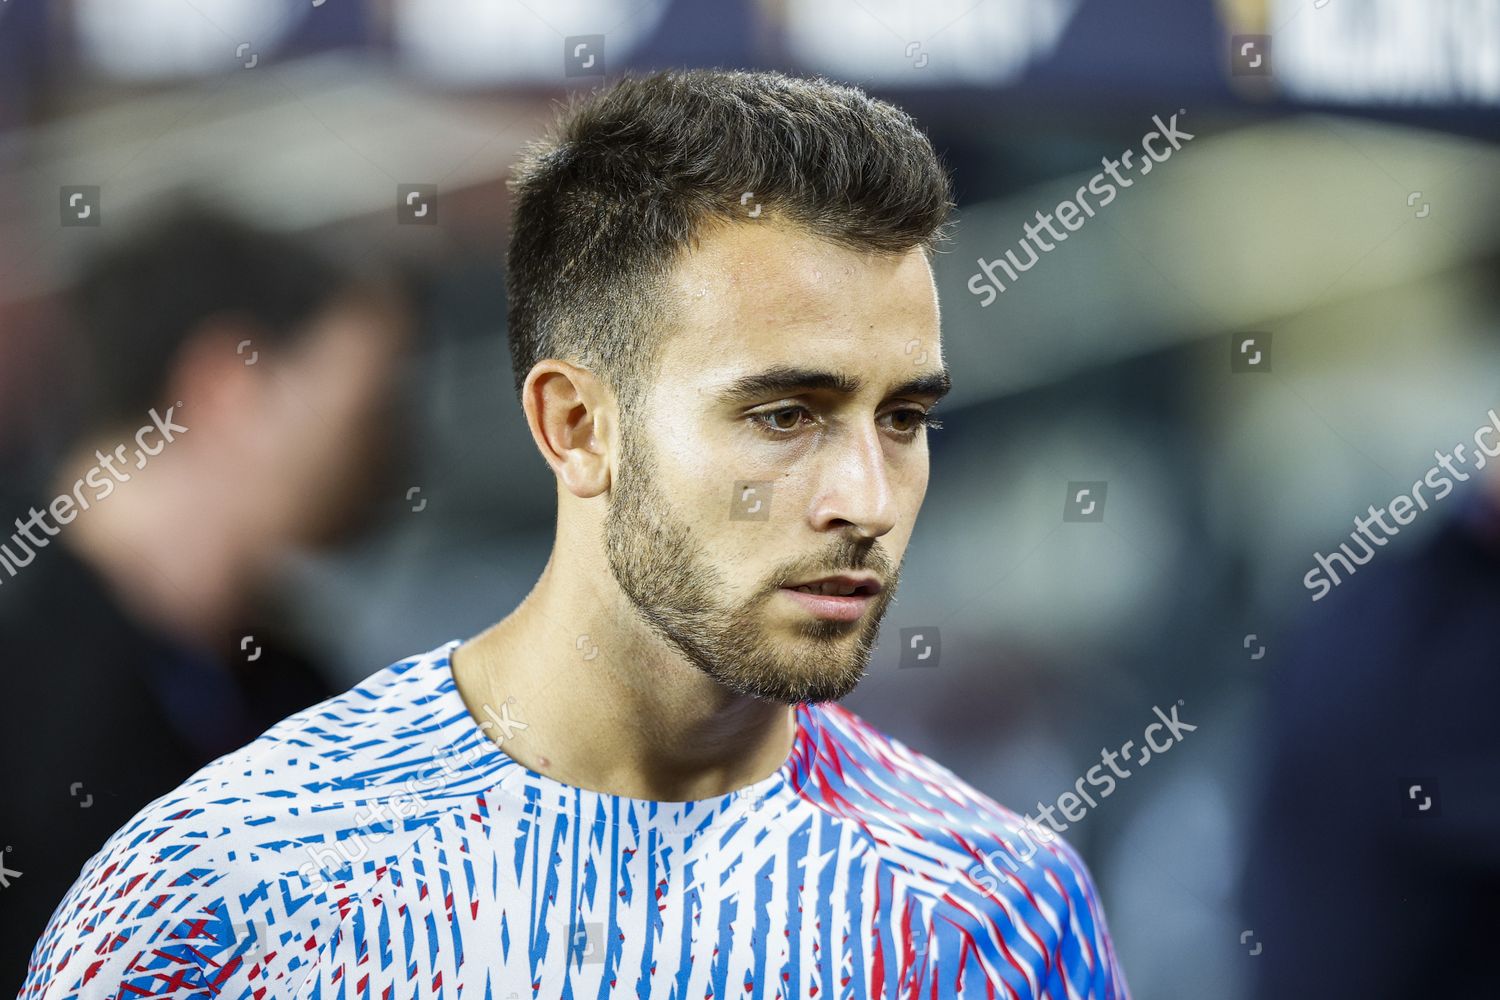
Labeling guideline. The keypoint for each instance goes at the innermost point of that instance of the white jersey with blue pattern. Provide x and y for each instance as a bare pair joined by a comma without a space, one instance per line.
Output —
381,845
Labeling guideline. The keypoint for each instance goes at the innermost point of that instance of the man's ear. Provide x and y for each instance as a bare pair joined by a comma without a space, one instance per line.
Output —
571,416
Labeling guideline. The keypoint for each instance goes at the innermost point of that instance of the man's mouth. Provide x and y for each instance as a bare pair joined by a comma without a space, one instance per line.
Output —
839,589
840,585
835,598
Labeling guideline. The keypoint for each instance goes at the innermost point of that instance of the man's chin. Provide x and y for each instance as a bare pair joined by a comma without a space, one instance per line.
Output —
793,691
814,676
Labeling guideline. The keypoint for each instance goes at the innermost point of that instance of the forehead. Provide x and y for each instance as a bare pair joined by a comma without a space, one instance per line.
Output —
752,296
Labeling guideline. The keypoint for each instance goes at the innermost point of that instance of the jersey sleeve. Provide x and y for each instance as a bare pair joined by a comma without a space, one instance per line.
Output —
1086,965
157,917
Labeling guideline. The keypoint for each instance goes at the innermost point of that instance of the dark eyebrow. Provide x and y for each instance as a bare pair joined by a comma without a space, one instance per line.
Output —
787,379
935,384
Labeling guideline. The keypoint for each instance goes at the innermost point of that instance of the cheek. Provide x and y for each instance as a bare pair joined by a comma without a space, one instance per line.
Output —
320,437
694,471
914,487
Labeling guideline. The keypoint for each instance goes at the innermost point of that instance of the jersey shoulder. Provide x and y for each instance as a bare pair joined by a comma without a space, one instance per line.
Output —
912,806
235,880
1009,883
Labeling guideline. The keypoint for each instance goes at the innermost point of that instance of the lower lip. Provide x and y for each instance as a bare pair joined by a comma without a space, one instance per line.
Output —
831,607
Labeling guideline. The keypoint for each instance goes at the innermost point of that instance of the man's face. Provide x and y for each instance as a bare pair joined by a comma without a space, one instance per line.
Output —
329,419
845,347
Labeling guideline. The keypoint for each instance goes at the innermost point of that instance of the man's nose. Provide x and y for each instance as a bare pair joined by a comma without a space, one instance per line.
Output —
857,487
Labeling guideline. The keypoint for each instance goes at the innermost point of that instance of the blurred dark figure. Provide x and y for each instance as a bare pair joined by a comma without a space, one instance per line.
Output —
238,392
1375,867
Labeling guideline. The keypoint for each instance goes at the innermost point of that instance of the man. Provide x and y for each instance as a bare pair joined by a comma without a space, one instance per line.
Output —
636,783
136,575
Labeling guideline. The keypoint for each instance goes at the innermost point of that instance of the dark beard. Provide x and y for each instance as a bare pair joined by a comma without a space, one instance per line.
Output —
672,583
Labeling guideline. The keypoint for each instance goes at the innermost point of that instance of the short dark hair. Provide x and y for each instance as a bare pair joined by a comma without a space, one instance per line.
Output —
135,302
606,203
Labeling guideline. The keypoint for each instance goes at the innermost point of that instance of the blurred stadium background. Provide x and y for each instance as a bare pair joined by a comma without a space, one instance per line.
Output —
1338,196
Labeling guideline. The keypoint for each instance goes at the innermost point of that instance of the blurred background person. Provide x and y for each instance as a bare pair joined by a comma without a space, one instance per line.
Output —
140,620
1375,860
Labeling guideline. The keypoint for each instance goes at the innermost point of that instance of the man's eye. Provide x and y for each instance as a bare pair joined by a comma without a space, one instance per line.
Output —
787,418
909,421
782,421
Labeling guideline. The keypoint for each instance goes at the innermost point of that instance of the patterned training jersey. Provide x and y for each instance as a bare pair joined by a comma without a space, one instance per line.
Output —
382,845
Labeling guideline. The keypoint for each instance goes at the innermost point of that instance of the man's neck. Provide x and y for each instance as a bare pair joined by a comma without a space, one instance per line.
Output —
608,706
